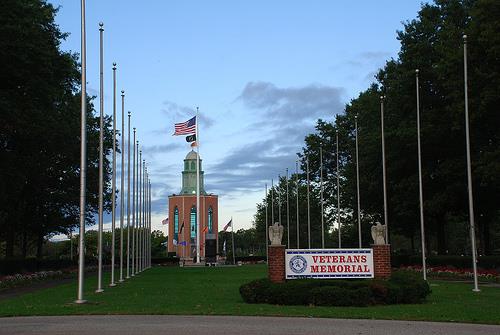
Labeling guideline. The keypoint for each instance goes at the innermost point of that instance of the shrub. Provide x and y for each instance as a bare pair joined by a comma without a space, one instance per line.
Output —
340,296
402,288
166,261
11,266
461,262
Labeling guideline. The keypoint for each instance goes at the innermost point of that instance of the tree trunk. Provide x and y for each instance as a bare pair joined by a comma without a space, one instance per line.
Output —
9,242
24,246
441,236
39,246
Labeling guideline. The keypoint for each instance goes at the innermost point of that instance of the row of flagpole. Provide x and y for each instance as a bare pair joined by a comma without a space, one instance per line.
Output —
138,220
384,182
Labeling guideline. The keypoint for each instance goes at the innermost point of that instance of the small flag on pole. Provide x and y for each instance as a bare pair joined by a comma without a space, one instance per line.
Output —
175,242
191,138
164,222
185,128
184,243
182,227
229,224
194,144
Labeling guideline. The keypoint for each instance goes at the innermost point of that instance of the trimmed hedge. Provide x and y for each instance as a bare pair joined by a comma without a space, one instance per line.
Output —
250,259
168,261
12,266
461,262
403,287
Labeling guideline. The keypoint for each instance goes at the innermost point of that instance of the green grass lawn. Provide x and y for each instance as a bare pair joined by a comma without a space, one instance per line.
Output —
214,291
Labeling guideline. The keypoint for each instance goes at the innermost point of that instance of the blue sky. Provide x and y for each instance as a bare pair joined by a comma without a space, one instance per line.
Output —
262,72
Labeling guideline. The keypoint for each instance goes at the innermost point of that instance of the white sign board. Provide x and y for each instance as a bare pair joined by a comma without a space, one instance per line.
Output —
328,263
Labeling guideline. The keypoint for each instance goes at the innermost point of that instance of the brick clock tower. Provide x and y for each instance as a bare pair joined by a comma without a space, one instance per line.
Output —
182,214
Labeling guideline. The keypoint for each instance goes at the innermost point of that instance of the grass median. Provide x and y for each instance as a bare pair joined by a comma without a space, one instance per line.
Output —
214,291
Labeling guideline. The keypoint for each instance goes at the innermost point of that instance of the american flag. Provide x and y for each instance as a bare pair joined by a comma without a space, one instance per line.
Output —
186,128
164,221
229,224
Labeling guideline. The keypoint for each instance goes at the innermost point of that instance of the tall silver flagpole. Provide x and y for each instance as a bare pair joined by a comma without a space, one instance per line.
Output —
83,160
420,192
469,172
266,228
197,187
101,158
128,199
138,190
113,185
133,207
272,201
298,219
232,237
149,225
143,215
386,221
141,224
122,187
287,212
321,196
357,182
139,210
279,199
308,208
144,199
338,190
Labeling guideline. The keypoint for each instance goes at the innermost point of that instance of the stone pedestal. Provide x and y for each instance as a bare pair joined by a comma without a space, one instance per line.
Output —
382,260
276,263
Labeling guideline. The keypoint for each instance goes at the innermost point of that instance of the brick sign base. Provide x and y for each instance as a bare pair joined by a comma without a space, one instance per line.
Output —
382,260
276,263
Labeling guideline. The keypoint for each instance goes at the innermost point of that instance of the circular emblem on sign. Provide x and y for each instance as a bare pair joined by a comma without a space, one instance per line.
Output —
298,264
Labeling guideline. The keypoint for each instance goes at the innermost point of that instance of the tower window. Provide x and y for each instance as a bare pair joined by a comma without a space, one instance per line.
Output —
193,222
210,220
176,223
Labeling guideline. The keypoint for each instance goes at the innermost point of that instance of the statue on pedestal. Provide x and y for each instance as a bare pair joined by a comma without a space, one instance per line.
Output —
378,233
276,233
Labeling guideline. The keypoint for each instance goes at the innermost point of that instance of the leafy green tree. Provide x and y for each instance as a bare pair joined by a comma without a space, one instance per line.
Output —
39,130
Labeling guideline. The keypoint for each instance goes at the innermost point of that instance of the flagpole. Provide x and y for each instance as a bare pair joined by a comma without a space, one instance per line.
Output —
101,158
139,201
357,182
144,179
197,188
122,184
298,218
308,208
143,230
272,201
232,237
279,199
420,191
287,211
144,215
321,196
83,160
149,226
338,189
265,228
138,168
128,198
386,220
133,208
113,184
469,172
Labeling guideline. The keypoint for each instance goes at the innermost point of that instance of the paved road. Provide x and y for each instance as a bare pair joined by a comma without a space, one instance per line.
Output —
203,325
